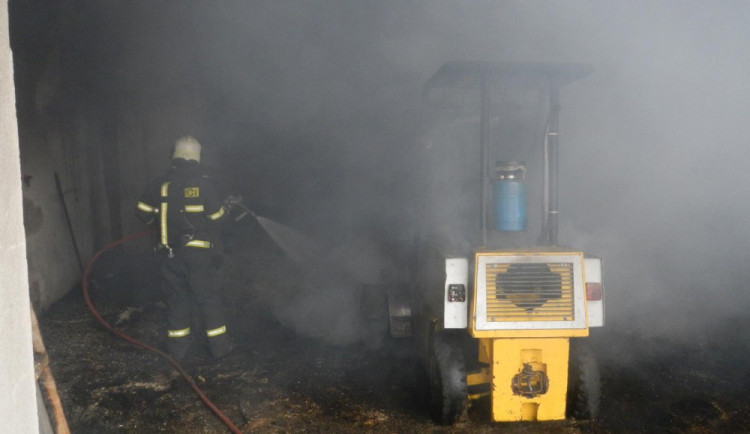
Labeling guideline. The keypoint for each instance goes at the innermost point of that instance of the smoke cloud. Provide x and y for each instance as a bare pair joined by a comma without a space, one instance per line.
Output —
313,112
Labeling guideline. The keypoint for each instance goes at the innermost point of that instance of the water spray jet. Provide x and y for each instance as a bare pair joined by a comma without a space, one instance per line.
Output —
295,245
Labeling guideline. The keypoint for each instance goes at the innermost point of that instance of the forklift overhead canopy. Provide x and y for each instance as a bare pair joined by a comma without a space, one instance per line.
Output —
468,74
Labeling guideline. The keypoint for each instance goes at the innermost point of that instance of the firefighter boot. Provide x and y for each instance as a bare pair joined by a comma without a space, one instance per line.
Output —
220,345
178,344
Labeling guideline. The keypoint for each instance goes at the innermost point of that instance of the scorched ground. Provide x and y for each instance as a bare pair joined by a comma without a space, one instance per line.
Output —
281,379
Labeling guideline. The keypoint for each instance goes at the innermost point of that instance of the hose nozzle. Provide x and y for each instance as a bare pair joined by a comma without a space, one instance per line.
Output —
232,202
245,212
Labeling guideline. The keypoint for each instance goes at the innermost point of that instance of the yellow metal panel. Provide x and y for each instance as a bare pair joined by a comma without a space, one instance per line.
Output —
532,333
485,351
508,359
482,376
477,378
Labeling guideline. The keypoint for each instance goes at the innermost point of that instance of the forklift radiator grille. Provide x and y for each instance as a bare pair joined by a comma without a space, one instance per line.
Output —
529,292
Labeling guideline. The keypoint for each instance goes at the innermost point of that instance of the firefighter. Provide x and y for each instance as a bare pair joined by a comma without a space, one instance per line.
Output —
186,210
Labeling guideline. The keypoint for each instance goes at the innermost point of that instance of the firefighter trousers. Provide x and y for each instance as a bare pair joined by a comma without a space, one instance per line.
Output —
190,276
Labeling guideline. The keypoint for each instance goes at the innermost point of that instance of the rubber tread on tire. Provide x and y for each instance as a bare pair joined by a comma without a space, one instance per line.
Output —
584,386
448,390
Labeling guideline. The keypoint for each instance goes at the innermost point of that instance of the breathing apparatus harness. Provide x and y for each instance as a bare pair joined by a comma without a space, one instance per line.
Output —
187,231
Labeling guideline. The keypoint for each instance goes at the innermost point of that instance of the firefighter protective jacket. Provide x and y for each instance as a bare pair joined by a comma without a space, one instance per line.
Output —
184,206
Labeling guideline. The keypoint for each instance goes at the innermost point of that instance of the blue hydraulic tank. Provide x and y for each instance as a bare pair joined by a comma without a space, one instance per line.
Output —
510,197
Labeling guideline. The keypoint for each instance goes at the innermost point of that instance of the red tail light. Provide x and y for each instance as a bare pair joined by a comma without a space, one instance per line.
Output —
594,291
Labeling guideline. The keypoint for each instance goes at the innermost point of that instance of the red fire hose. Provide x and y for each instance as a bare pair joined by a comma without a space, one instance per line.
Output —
232,427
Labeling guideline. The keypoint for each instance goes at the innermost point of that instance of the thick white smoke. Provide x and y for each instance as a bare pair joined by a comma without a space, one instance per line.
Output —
316,104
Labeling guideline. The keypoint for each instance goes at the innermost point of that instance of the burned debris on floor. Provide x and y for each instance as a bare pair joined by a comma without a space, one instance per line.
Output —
281,379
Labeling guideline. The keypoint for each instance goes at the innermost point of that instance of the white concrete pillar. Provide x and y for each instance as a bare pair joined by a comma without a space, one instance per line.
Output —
18,406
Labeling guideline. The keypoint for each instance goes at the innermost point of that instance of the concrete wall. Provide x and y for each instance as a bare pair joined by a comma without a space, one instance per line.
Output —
62,137
53,266
18,405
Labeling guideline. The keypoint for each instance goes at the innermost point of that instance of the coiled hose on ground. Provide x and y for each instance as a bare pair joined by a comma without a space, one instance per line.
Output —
85,285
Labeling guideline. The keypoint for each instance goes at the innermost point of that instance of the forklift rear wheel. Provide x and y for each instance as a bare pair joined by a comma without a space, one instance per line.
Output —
448,390
584,386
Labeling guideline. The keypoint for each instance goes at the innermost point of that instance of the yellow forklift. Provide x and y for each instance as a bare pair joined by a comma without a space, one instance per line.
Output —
497,305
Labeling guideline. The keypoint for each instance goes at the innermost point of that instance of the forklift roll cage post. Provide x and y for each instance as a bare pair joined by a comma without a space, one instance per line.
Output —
483,76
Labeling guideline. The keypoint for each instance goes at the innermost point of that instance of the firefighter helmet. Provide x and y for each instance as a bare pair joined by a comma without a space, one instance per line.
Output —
187,148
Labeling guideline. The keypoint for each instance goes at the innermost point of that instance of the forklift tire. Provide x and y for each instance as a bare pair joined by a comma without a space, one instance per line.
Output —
584,385
448,390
